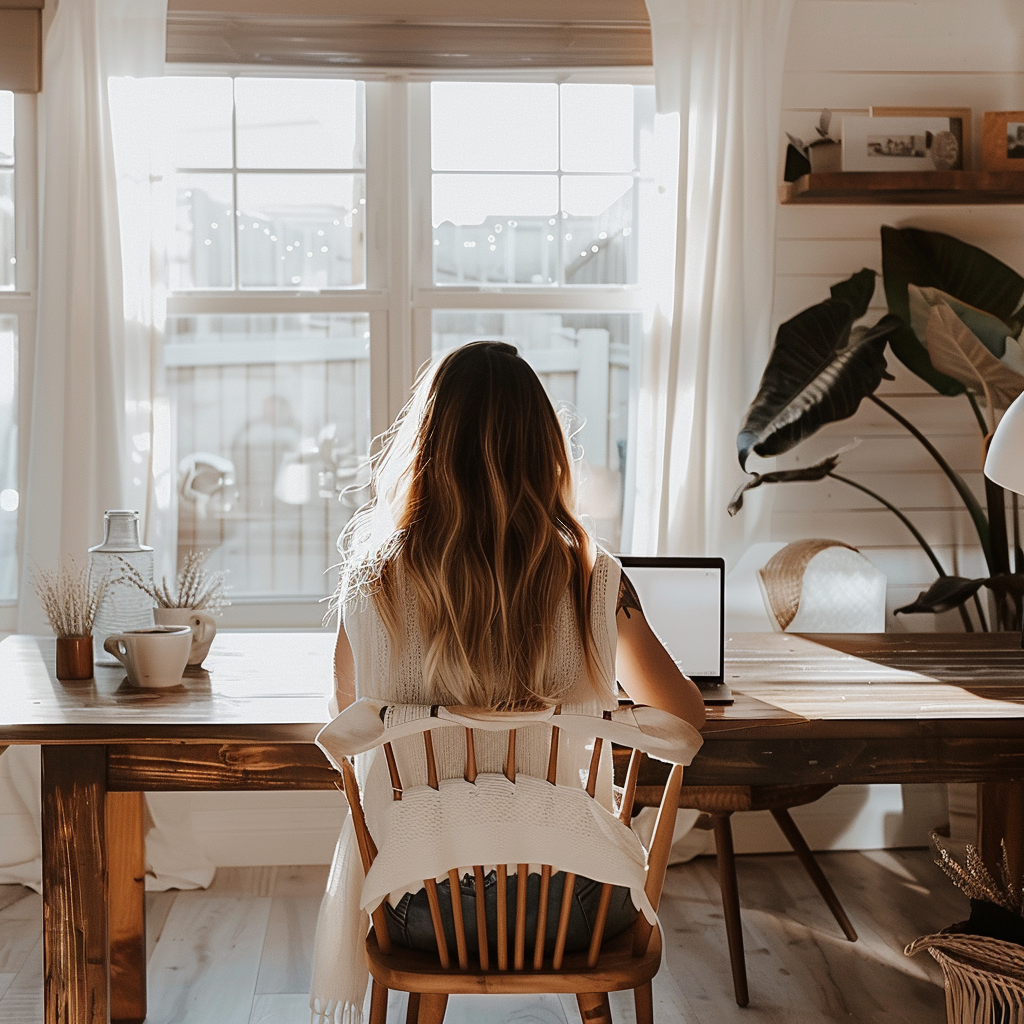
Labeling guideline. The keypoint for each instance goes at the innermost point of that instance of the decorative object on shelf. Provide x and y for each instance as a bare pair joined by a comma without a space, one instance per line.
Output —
954,321
1002,140
890,143
820,155
823,586
70,597
154,658
981,958
123,606
959,127
194,595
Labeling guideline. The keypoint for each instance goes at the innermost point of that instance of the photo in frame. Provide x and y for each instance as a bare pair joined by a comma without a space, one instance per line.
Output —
1002,140
899,144
960,124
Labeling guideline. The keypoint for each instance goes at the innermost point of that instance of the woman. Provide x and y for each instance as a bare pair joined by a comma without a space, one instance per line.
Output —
468,580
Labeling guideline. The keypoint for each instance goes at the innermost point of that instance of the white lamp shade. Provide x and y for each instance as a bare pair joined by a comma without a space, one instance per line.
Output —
1005,462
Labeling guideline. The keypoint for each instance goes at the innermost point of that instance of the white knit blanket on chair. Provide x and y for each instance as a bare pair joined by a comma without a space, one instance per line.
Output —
489,821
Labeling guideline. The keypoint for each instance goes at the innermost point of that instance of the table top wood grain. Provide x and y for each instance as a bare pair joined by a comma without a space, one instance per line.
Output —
272,687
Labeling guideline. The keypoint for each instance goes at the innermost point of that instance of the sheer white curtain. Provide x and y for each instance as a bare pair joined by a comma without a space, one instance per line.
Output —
718,67
98,426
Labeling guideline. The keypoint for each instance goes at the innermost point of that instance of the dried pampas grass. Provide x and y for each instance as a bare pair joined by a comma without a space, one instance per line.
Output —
69,597
194,588
975,880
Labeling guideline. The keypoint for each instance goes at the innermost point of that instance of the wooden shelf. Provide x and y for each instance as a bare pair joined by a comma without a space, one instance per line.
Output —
877,188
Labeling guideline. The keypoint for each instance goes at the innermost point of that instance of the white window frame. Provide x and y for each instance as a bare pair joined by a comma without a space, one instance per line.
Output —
22,301
399,294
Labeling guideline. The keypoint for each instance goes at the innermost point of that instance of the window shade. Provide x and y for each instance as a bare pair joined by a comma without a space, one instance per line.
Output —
449,34
21,53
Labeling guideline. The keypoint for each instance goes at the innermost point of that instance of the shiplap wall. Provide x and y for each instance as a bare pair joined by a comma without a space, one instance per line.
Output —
848,55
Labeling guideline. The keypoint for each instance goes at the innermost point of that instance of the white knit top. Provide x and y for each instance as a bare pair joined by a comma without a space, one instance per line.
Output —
395,678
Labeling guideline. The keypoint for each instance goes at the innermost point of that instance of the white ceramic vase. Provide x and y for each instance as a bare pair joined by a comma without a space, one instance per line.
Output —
201,623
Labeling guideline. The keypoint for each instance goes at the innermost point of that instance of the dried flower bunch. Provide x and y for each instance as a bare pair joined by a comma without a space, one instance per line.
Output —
195,587
975,880
69,597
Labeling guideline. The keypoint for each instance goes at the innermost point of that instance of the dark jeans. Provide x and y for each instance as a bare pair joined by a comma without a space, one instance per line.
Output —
409,923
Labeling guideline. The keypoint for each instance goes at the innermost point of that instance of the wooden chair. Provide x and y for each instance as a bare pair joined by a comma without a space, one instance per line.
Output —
627,961
718,804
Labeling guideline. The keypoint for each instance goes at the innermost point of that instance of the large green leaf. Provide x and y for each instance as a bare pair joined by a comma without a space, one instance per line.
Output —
930,259
857,290
818,372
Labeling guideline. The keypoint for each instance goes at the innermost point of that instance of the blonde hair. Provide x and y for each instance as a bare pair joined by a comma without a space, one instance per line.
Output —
473,500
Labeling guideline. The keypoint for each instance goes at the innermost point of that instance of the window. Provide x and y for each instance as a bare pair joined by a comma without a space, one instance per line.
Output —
333,235
17,313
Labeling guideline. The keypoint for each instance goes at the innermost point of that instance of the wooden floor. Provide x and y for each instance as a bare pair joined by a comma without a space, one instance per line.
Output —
240,952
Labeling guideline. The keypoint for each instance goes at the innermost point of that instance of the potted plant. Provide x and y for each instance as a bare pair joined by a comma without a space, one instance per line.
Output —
195,594
982,958
954,319
70,597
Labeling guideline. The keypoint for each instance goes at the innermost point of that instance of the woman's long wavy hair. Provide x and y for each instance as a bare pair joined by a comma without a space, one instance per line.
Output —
472,504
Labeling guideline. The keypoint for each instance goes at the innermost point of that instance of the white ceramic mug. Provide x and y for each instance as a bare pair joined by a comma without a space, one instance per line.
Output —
153,657
202,624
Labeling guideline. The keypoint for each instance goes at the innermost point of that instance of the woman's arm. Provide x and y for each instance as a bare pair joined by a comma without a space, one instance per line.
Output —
645,669
344,673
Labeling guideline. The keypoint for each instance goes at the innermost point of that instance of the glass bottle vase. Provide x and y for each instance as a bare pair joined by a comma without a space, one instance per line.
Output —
124,606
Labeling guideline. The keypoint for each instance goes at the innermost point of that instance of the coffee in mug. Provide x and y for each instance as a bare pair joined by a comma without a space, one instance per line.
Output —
202,624
155,656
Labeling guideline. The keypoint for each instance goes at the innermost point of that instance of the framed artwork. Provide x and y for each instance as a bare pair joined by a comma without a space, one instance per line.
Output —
898,144
959,125
1002,140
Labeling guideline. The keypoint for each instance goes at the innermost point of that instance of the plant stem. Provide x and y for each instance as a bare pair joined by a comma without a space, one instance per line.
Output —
973,506
977,414
899,515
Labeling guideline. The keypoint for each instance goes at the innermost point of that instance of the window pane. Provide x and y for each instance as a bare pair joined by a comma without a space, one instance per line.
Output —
273,424
8,259
6,129
199,109
202,253
495,228
583,359
597,128
8,457
493,126
301,230
597,229
285,122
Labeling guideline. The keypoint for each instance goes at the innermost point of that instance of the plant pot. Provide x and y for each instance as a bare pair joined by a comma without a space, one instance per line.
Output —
825,157
203,626
74,657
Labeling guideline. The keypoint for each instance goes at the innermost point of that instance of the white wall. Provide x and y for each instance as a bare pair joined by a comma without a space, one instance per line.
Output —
848,55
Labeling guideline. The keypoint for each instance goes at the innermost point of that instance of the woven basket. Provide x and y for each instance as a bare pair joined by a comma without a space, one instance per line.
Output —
984,977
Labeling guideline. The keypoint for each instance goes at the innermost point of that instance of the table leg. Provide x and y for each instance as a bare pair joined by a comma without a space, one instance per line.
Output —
75,969
1001,817
126,921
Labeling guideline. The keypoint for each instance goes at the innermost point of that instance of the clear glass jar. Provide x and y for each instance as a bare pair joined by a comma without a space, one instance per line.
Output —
124,606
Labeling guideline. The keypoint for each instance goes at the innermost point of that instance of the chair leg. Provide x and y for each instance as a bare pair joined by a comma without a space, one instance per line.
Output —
643,1000
412,1013
378,1003
432,1007
811,866
594,1007
731,904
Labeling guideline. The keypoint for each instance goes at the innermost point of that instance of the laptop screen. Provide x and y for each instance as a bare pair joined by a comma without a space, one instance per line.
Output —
683,599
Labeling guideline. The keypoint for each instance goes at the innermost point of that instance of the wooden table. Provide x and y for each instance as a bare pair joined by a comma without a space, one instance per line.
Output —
841,709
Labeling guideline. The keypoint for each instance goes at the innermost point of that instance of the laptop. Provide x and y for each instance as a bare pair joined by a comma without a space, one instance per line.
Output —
683,600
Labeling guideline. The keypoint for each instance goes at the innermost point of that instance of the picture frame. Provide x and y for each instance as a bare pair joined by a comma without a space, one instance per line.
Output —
960,124
893,143
1002,140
